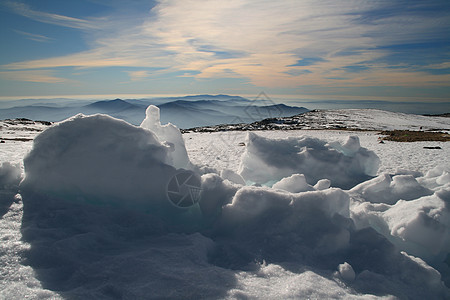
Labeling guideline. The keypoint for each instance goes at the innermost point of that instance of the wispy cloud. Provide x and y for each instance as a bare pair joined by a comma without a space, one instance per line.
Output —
266,43
33,36
41,76
97,58
45,17
138,75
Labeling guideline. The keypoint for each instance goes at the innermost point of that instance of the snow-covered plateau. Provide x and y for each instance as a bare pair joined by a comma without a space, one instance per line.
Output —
96,208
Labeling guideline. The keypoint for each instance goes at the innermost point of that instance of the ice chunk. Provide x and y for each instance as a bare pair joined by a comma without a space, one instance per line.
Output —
266,161
424,222
10,175
349,148
444,178
420,226
406,187
232,176
293,184
169,134
322,184
346,271
436,178
387,189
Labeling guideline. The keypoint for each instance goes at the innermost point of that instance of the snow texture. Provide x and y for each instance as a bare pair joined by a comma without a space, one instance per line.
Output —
372,119
93,220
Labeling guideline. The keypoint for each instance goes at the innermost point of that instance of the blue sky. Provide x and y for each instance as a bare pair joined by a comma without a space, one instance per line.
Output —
305,49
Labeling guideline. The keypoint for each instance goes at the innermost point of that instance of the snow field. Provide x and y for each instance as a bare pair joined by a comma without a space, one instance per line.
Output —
223,150
282,222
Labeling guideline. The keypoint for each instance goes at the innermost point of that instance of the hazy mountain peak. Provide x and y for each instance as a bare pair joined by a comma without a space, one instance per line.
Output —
111,104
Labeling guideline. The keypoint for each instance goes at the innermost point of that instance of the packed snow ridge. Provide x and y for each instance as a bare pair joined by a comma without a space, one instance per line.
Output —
97,207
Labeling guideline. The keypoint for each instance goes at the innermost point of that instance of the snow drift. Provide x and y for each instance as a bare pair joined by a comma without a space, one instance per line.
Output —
99,223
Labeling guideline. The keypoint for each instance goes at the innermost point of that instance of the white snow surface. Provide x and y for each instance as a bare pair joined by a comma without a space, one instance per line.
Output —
373,119
223,150
91,219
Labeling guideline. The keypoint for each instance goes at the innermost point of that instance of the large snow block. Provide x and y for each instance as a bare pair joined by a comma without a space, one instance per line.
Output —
262,223
267,161
101,160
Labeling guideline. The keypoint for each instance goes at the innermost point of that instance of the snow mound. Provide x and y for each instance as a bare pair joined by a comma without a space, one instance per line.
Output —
267,161
413,213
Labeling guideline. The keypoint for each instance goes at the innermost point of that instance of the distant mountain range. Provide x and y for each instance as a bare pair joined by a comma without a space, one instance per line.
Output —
184,112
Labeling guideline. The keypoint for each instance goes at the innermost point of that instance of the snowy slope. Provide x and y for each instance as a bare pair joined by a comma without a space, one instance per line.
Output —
354,119
87,222
382,120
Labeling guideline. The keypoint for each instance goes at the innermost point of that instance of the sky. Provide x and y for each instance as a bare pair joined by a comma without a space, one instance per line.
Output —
307,49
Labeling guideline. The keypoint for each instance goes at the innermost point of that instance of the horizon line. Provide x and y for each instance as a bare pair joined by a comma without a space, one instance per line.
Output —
276,97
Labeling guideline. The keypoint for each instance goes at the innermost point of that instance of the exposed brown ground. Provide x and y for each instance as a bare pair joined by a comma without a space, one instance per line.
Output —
414,136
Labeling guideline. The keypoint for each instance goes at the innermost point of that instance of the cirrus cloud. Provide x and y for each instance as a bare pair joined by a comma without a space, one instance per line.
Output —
267,43
41,76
